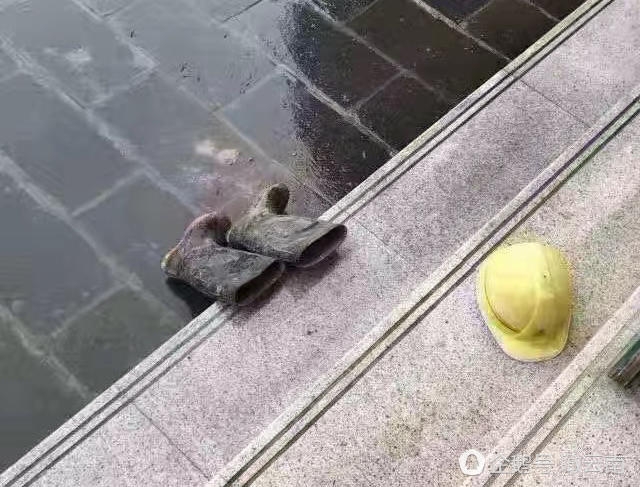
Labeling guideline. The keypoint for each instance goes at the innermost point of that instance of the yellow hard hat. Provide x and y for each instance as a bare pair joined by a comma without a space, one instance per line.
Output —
524,294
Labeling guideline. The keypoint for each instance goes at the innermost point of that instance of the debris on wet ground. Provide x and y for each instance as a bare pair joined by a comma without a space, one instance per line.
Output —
207,148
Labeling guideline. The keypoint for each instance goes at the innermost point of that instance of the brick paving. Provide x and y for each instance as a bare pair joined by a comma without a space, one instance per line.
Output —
123,119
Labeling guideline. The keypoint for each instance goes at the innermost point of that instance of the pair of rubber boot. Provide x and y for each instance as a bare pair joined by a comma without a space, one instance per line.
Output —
235,263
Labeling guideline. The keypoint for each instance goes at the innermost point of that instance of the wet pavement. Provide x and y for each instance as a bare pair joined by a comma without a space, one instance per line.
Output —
122,120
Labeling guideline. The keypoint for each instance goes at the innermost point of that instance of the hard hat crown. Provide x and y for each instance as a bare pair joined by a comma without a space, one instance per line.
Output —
524,292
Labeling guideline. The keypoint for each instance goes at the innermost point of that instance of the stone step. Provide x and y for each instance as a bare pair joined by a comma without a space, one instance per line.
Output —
200,404
429,382
583,429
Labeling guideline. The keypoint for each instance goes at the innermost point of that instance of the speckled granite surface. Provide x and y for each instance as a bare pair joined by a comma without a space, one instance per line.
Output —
447,387
432,395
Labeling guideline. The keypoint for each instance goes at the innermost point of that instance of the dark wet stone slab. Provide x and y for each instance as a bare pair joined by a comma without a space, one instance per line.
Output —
34,401
198,153
7,66
112,338
206,59
54,144
402,111
296,34
104,7
47,272
138,224
159,118
314,141
343,9
559,8
224,9
509,26
442,56
83,54
457,9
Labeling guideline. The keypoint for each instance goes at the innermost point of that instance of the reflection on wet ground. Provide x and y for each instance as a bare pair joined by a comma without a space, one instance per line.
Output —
123,120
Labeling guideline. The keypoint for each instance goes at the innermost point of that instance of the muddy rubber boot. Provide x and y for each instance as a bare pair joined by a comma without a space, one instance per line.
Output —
228,275
300,241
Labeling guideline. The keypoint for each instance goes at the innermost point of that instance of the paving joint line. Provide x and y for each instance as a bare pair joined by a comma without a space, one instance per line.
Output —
133,83
141,59
29,67
16,479
270,76
252,43
120,9
358,13
534,56
37,349
453,25
49,204
125,181
171,442
104,15
157,303
555,103
100,298
242,11
260,152
130,151
347,115
380,88
120,274
410,160
472,14
383,244
541,10
348,31
88,10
